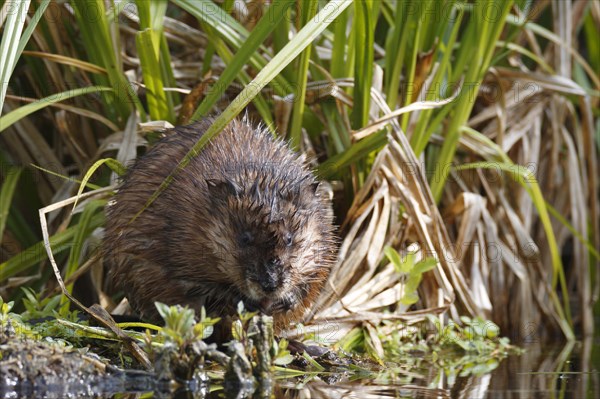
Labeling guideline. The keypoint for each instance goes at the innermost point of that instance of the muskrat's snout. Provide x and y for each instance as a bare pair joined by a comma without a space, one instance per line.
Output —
266,279
272,277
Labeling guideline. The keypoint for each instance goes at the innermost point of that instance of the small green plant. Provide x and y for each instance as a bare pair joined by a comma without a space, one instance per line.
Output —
181,326
410,272
24,327
476,335
6,317
178,351
245,326
283,357
473,348
37,307
239,327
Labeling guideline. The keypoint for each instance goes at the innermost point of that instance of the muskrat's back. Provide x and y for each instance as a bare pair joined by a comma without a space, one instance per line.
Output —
244,221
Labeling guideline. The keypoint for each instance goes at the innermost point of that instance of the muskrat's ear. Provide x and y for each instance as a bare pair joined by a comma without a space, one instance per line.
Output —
222,188
315,187
310,189
323,189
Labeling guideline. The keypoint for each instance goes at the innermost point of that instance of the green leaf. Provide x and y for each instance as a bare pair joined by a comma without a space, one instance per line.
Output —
412,282
66,178
312,362
528,181
30,297
284,57
363,72
393,257
152,15
148,52
401,264
52,304
309,9
163,310
425,265
36,253
6,194
209,12
21,112
352,341
113,164
271,18
283,360
31,27
471,62
9,46
409,298
99,35
231,31
336,163
425,127
83,231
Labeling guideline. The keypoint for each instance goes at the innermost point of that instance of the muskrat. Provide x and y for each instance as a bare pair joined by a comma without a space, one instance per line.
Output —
245,220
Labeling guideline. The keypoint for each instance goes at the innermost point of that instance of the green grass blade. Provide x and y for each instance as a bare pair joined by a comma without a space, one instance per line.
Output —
66,178
395,53
168,76
148,46
309,8
528,181
232,32
37,252
280,39
9,46
338,52
304,37
474,57
243,78
210,13
261,31
592,32
95,26
21,229
19,113
113,164
210,49
363,69
522,50
83,231
30,28
335,164
6,194
152,15
424,128
589,245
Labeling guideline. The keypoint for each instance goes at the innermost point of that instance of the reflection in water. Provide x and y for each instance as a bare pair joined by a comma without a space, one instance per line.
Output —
543,371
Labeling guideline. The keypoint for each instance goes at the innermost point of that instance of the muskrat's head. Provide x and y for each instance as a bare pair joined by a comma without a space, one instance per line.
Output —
275,236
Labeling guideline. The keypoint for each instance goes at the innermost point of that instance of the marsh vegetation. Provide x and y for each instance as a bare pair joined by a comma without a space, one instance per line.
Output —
460,139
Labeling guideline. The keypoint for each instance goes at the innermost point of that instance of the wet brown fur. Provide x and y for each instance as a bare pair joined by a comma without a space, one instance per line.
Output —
244,212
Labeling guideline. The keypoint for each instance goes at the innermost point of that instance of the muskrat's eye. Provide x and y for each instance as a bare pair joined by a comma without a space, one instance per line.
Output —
288,239
246,238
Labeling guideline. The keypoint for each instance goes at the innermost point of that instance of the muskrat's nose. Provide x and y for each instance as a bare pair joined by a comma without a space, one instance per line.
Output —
269,283
273,263
269,277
